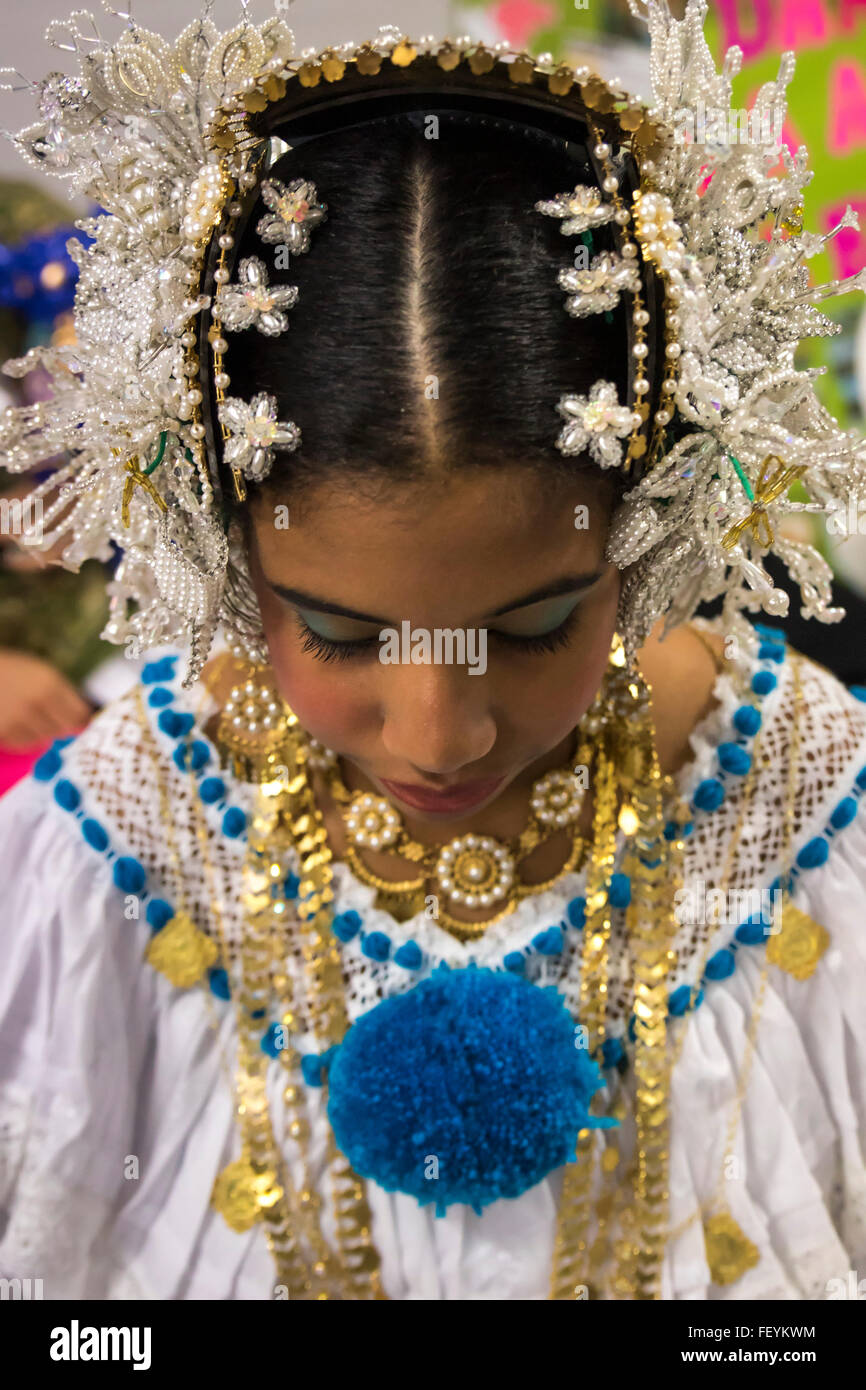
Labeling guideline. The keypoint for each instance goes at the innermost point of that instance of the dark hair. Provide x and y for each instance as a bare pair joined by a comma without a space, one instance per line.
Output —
432,262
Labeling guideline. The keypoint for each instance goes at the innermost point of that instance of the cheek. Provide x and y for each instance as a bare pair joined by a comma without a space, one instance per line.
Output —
329,699
546,707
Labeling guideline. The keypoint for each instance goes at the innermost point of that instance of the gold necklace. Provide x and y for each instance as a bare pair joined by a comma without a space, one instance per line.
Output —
476,871
473,871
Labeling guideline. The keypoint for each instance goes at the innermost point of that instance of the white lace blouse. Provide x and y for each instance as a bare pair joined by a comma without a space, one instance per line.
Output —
116,1112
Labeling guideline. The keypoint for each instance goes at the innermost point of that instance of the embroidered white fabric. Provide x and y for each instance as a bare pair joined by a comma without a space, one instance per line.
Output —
116,1115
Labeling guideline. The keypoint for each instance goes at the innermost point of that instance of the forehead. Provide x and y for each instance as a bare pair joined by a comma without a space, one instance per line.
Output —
474,539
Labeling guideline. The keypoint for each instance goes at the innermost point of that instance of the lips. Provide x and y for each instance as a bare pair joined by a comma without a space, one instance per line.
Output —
450,800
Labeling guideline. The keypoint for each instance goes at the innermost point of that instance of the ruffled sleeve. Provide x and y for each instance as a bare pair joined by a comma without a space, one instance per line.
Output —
73,1033
795,1177
115,1114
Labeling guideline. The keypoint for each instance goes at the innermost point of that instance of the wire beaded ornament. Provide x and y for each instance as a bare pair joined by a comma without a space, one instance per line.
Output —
175,142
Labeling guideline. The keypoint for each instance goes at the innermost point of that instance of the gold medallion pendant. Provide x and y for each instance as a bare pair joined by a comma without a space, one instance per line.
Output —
730,1253
181,952
241,1191
800,944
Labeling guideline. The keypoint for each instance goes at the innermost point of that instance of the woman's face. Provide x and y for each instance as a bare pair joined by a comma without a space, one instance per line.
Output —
352,594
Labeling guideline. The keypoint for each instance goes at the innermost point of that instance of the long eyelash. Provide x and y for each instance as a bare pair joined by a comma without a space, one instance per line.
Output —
325,650
552,641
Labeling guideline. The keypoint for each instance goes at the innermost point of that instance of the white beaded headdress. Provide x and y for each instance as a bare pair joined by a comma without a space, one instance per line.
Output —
174,141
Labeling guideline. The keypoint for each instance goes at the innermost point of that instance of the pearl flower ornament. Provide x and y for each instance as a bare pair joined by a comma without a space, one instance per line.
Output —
253,303
580,210
597,423
255,432
598,288
294,213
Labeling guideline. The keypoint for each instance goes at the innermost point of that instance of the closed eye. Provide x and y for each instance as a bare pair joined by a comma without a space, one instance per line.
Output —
359,648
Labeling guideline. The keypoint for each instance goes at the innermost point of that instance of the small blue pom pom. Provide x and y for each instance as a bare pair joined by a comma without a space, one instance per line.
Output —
199,754
159,913
219,982
620,890
67,795
346,925
548,942
194,755
721,965
763,682
291,886
129,875
94,834
858,691
515,961
776,635
747,719
169,723
681,1001
753,931
159,697
212,789
843,814
47,766
860,779
734,759
709,794
612,1051
814,853
409,956
234,822
376,945
162,670
771,651
274,1040
312,1069
576,912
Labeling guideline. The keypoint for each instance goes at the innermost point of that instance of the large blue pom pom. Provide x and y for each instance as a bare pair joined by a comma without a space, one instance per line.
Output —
467,1088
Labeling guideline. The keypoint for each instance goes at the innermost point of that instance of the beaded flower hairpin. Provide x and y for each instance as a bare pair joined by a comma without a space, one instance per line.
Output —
251,429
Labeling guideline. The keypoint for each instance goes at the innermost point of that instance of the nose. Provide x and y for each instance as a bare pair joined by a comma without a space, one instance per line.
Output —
437,719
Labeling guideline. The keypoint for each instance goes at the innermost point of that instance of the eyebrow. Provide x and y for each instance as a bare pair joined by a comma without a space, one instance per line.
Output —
569,584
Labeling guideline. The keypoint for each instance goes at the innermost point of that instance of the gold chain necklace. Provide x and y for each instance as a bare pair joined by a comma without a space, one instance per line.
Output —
476,871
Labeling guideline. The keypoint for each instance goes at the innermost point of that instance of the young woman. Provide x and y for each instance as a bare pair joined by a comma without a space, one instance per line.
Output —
462,932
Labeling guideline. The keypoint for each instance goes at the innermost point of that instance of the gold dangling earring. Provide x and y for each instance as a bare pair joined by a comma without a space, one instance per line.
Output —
625,707
255,722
